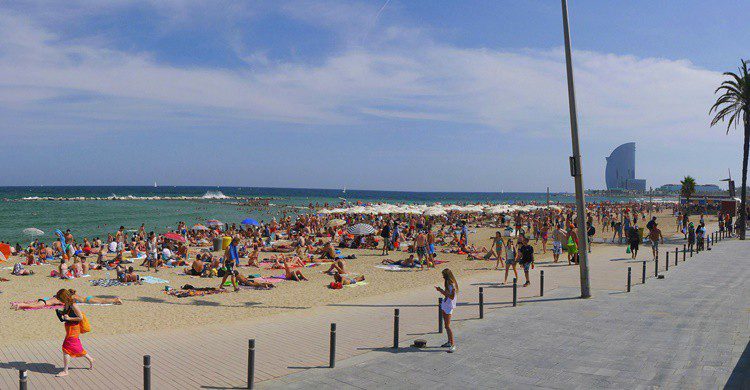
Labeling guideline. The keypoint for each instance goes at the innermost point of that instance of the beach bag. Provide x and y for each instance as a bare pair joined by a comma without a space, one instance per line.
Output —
627,250
85,324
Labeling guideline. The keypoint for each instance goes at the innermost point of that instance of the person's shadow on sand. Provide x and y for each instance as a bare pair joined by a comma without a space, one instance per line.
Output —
44,368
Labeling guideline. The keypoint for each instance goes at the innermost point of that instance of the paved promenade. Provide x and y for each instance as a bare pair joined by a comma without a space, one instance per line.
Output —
688,331
541,341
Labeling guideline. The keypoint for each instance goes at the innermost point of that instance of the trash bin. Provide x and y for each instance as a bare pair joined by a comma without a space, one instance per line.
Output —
225,242
217,244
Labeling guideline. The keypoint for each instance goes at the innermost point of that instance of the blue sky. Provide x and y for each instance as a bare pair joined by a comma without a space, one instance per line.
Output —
401,95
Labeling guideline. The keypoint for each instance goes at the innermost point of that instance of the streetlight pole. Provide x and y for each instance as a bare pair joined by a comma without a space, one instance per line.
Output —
575,164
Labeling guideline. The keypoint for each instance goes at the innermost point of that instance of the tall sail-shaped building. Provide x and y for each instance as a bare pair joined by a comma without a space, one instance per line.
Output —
620,171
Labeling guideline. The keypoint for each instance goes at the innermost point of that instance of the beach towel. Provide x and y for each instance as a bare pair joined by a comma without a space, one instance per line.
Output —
362,283
183,293
108,283
152,280
14,305
267,280
393,267
282,277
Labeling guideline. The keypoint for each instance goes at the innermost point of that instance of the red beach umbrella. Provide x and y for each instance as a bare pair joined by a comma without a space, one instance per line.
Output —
174,237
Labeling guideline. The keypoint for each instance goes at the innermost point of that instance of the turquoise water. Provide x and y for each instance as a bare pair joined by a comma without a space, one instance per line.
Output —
96,215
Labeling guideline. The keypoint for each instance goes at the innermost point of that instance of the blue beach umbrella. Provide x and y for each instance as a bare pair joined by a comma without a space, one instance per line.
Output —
250,221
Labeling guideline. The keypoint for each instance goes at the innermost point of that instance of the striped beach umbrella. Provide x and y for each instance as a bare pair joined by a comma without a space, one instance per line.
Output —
360,229
214,223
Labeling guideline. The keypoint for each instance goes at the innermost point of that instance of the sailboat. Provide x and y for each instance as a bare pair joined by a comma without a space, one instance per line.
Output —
155,185
344,191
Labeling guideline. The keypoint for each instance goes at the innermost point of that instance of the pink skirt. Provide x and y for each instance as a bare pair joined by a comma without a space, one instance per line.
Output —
72,346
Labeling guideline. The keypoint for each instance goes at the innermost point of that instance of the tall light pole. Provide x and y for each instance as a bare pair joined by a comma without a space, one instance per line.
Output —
575,164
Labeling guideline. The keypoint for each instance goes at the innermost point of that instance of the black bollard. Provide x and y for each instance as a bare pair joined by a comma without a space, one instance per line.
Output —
541,283
23,377
332,347
676,256
656,267
515,291
481,302
684,252
147,372
251,363
629,274
643,277
396,313
667,261
440,316
691,252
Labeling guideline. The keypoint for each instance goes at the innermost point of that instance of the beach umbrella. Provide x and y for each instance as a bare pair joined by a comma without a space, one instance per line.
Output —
281,242
174,237
214,222
336,223
4,252
198,226
33,232
250,221
360,229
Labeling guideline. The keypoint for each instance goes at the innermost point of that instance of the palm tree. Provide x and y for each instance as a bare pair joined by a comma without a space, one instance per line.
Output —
734,104
687,191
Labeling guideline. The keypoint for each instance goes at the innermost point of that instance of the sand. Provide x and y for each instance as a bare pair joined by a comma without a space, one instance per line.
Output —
147,308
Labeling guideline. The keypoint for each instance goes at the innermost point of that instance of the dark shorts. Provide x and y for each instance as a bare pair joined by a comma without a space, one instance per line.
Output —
421,250
634,245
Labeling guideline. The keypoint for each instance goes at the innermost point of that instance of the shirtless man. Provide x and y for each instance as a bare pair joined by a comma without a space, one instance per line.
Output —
655,236
337,267
558,236
420,245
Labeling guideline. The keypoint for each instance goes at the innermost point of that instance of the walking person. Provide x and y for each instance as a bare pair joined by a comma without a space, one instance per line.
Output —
75,324
525,257
510,259
450,295
634,240
385,233
231,259
654,234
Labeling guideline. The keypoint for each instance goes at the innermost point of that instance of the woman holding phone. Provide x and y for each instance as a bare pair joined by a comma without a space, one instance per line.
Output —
450,295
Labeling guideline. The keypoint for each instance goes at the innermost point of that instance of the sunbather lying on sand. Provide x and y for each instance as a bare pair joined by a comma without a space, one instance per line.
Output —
347,279
243,281
42,302
408,262
293,274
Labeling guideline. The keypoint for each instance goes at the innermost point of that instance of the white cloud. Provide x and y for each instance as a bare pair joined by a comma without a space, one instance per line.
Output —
412,78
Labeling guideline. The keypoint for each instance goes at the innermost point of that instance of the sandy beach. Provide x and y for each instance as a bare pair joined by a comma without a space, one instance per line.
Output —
147,308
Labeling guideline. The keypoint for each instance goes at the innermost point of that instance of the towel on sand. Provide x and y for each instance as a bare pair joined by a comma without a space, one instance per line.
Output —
152,280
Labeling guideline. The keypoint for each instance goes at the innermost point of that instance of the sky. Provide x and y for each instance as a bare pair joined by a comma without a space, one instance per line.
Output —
419,95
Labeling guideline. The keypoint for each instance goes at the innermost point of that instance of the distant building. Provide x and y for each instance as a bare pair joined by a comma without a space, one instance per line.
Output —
620,171
699,188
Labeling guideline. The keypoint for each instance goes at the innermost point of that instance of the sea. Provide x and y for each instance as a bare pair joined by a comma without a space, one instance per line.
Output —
95,211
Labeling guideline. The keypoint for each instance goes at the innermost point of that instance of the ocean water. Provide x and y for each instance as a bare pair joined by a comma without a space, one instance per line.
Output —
97,211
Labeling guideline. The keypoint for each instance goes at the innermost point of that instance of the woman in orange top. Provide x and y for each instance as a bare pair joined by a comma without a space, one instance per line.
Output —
72,316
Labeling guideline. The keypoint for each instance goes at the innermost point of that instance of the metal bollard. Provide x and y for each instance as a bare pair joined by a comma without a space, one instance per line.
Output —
684,252
629,274
147,372
396,313
676,256
515,291
23,377
656,267
667,261
541,283
440,316
691,252
643,277
251,363
481,302
332,347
